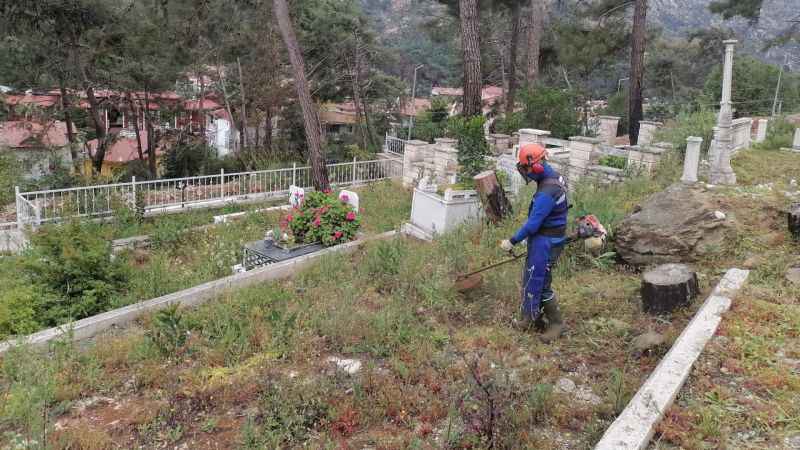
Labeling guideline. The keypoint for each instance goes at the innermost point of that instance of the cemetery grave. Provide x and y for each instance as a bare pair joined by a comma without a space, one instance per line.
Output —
377,348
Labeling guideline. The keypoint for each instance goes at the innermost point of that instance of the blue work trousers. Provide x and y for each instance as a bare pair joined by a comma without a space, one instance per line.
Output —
543,253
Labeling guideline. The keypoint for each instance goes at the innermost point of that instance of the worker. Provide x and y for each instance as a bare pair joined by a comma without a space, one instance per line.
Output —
545,232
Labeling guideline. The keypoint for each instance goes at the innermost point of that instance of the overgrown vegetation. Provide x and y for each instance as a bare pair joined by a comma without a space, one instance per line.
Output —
545,108
700,124
69,272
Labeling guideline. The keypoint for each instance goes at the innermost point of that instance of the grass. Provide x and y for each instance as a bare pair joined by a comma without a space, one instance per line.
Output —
439,369
743,391
185,254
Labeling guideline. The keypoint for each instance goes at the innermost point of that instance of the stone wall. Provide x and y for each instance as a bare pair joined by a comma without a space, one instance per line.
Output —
647,129
741,130
644,158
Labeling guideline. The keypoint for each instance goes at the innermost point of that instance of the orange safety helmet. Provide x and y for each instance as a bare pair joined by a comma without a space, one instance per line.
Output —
530,160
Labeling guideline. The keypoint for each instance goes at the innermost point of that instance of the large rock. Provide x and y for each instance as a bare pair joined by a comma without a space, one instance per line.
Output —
678,224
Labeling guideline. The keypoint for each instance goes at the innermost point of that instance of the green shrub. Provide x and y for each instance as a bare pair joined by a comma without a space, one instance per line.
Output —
617,162
18,310
551,109
431,124
618,106
168,332
472,146
780,134
10,176
74,262
700,123
324,218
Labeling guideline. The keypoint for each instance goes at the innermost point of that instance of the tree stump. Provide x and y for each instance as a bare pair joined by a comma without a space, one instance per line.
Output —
493,197
794,221
668,287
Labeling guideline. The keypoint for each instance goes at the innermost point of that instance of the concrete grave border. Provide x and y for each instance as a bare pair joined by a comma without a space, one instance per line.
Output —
634,428
89,327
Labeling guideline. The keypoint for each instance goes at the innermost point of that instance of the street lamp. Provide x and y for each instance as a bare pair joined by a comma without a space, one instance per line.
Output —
413,102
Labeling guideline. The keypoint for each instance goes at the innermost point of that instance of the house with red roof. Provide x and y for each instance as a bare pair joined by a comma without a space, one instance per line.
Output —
39,147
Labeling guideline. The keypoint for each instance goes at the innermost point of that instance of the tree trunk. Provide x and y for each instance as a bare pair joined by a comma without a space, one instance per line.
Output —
152,155
535,31
638,38
311,123
136,127
99,127
268,130
73,144
794,221
493,196
511,95
668,287
470,41
244,102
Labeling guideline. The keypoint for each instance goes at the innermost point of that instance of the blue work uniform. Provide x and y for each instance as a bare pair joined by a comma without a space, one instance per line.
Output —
545,231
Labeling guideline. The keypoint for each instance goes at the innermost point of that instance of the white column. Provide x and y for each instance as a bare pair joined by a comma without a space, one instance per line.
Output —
692,159
721,170
761,131
796,143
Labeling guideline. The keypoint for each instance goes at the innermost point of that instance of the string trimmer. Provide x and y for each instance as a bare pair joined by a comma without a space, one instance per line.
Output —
587,227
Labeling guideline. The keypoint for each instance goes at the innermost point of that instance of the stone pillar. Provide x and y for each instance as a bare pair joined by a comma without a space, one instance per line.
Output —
691,160
415,153
796,143
647,129
761,131
581,151
445,160
721,148
607,131
501,143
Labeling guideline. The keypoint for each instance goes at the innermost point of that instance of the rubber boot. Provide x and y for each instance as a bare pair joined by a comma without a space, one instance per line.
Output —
555,325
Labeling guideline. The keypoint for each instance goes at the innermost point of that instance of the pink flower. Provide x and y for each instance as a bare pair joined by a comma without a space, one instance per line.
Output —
337,235
327,191
289,218
317,222
345,198
351,216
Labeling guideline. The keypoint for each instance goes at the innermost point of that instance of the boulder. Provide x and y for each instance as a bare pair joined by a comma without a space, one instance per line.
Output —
678,224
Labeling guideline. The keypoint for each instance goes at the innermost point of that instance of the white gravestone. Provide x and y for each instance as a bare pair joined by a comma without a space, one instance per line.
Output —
296,196
350,198
761,131
796,144
691,160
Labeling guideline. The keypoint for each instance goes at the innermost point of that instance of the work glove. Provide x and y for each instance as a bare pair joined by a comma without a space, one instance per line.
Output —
507,246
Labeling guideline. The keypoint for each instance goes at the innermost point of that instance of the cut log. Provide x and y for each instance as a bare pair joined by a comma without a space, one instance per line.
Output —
668,287
794,221
493,197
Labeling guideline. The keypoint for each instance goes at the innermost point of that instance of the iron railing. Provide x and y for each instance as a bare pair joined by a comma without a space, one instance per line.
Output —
35,208
395,145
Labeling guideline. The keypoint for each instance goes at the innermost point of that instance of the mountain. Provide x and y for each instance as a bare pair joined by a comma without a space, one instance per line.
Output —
680,17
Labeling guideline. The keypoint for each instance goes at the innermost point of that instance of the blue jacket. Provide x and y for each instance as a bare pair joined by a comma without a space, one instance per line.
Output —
548,209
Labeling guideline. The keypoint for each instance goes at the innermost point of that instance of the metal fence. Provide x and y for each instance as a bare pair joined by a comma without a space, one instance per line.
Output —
395,145
36,208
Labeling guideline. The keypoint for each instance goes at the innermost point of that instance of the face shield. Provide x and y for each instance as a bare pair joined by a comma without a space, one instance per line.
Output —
524,170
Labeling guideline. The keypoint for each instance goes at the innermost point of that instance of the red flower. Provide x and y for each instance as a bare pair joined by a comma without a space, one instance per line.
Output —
351,216
317,222
327,191
289,218
337,234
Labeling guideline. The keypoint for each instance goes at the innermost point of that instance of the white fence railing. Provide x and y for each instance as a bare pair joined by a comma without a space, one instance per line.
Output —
36,208
395,145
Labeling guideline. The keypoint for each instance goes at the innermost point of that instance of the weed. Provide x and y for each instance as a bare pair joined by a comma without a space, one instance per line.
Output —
168,333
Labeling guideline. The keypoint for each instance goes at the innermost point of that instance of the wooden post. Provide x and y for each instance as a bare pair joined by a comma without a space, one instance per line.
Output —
493,196
668,287
794,220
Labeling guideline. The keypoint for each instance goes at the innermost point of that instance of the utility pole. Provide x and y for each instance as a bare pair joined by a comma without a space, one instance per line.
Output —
413,101
778,86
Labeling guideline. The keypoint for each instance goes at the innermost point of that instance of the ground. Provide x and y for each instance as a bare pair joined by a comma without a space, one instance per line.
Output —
438,369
